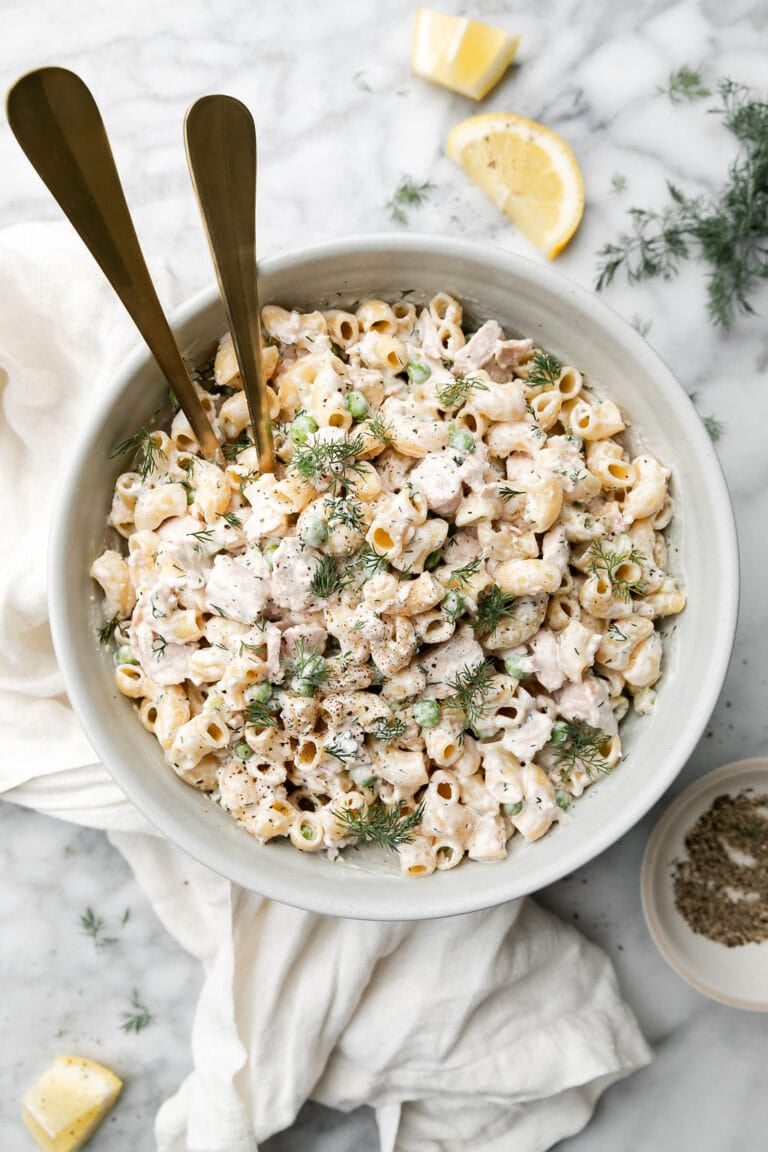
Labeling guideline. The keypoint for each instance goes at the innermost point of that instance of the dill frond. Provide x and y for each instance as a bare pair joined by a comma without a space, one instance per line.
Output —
107,630
461,577
543,369
493,606
601,560
145,451
388,729
327,578
329,463
343,510
456,392
471,687
139,1016
378,427
408,194
508,494
93,926
618,183
232,450
339,749
579,745
369,561
232,520
258,713
308,665
380,825
684,84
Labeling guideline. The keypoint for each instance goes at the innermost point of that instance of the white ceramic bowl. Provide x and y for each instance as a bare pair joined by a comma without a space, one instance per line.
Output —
571,322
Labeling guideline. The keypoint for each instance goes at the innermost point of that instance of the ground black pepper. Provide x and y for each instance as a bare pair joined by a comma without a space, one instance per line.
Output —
722,887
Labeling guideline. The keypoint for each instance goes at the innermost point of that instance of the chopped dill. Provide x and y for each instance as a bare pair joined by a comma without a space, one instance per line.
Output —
618,183
258,713
714,427
508,494
233,449
387,728
139,1017
578,744
493,606
543,369
93,926
339,749
456,392
378,427
370,562
327,578
204,535
107,631
471,687
379,825
601,560
684,84
145,449
408,194
232,520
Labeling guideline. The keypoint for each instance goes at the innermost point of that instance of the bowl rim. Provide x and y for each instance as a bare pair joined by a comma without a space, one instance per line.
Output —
329,899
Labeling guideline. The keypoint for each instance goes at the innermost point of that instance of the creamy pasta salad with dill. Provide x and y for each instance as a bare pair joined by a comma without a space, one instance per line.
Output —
424,629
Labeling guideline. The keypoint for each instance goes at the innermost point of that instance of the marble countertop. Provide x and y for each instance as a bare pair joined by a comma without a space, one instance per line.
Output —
340,119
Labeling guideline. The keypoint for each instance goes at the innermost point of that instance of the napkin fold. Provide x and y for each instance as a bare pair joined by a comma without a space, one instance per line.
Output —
484,1032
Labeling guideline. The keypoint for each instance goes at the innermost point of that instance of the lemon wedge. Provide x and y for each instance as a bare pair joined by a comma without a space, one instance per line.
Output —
464,55
66,1105
527,170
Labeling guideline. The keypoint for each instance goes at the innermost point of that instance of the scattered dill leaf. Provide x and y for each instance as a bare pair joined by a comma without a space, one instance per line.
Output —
258,713
107,630
339,749
93,926
370,562
203,535
139,1017
543,369
205,376
233,520
408,194
684,84
126,917
384,826
453,606
378,427
714,427
145,450
471,687
508,494
327,578
456,392
579,745
233,449
602,560
308,665
640,325
329,463
727,232
618,183
345,511
493,606
461,577
388,729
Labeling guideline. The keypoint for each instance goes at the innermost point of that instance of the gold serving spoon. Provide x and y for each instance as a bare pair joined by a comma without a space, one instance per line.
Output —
55,120
221,152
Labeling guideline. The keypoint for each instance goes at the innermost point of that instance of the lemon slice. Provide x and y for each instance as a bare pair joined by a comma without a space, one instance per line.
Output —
463,55
527,170
68,1102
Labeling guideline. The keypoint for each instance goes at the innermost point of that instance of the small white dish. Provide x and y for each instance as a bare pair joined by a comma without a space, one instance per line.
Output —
735,976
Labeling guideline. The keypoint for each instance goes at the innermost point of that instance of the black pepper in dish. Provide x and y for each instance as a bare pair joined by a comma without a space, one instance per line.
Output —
721,889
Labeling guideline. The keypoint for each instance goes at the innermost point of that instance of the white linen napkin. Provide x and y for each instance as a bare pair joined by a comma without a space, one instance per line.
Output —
484,1032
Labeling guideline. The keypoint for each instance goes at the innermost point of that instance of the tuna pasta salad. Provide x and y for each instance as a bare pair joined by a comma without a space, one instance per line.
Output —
424,629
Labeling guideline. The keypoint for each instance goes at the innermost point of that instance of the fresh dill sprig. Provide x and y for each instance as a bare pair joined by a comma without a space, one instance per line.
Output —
408,194
203,535
159,645
727,231
543,369
232,520
684,84
493,606
307,665
379,428
370,562
145,449
93,926
329,463
578,744
453,606
461,577
139,1017
247,478
327,578
233,449
258,713
107,630
456,392
714,427
384,826
508,494
345,511
471,687
387,728
618,183
602,560
339,749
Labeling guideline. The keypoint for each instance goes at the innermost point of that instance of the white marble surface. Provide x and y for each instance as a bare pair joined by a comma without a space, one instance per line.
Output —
340,119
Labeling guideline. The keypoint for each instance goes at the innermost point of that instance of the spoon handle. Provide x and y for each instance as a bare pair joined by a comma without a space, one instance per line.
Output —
221,152
55,120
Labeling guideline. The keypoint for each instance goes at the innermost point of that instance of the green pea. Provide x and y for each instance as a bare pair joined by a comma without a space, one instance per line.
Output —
426,713
462,440
269,554
562,799
243,750
123,655
314,532
262,692
559,734
418,371
357,405
512,667
433,560
302,428
512,809
302,687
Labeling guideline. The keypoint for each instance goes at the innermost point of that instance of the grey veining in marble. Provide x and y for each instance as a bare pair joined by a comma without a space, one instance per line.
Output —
340,119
